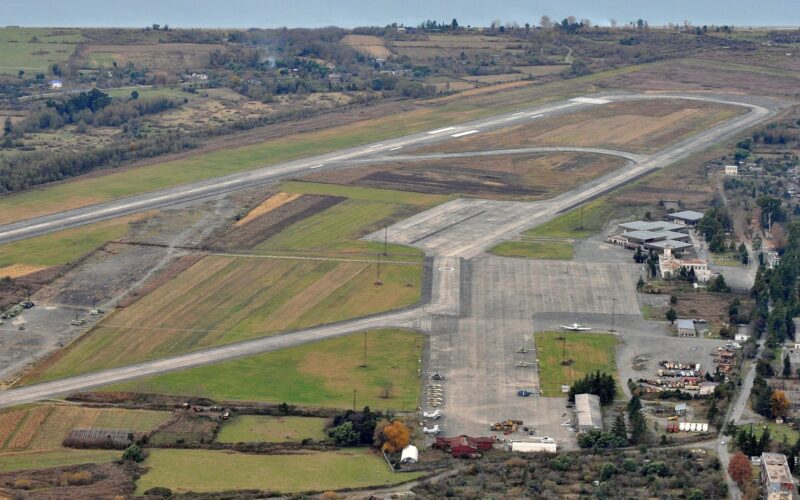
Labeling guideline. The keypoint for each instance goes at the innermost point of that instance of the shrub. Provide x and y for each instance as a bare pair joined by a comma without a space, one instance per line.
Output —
76,478
23,484
158,491
133,453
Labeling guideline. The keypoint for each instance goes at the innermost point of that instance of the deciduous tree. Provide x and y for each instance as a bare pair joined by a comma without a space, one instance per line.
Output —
740,470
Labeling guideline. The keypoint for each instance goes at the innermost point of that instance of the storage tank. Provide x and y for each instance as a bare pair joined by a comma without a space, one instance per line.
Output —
682,426
693,427
705,428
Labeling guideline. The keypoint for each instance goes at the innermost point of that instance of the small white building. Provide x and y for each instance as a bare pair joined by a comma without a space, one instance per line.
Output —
731,170
741,337
56,84
409,455
542,446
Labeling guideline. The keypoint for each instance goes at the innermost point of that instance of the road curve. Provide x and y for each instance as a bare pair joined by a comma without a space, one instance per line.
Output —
411,318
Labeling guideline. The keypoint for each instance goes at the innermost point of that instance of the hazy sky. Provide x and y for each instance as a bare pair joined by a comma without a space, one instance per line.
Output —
349,13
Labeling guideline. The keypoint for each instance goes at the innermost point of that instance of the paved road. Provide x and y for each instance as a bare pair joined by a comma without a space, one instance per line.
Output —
344,158
446,290
410,318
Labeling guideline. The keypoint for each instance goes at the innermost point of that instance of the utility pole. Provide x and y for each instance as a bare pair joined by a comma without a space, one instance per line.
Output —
563,344
364,365
581,226
385,240
378,280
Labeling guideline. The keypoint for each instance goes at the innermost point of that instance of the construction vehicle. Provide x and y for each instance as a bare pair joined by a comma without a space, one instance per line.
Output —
506,426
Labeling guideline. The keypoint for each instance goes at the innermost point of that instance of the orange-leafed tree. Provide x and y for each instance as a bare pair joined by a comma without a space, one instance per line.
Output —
740,469
779,404
396,436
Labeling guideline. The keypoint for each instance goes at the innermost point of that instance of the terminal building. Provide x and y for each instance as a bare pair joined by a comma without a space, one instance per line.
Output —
652,236
587,408
686,217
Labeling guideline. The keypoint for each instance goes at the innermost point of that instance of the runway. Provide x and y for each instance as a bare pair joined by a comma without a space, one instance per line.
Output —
453,232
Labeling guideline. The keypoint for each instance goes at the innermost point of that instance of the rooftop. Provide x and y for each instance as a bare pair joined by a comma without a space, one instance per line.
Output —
689,215
776,467
673,244
640,225
651,235
685,324
587,406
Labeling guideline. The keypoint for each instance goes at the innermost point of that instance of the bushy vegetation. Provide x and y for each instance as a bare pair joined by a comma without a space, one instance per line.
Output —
602,385
633,474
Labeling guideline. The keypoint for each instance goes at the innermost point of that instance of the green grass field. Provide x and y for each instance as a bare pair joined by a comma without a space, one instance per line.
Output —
589,351
33,50
777,432
264,429
320,374
534,249
63,246
577,223
210,471
54,458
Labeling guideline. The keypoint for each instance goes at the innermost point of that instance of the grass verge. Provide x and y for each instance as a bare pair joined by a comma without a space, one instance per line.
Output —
263,429
577,223
534,250
188,470
589,352
322,374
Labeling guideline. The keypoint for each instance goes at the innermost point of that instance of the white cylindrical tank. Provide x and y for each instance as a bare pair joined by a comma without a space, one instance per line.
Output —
693,427
682,426
705,427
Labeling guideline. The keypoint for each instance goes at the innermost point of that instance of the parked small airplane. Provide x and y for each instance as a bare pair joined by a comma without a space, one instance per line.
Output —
523,364
576,327
436,414
524,349
434,430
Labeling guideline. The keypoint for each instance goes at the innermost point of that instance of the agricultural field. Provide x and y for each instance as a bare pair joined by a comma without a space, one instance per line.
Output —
34,50
587,353
516,177
31,437
282,270
263,429
321,374
181,56
634,126
534,249
186,470
369,45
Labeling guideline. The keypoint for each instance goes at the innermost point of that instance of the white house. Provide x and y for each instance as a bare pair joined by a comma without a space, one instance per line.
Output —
56,84
731,170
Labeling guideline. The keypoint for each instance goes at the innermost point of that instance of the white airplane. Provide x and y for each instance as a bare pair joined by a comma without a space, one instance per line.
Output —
523,364
576,327
437,414
524,349
434,430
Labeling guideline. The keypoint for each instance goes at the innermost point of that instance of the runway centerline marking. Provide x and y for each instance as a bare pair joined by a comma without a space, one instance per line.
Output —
468,132
440,130
317,166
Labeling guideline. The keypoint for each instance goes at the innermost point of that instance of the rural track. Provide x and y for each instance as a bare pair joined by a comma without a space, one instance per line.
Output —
445,293
338,159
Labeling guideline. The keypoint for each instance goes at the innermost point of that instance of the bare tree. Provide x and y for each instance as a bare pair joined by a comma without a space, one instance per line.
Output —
545,22
495,25
386,389
572,19
613,22
587,23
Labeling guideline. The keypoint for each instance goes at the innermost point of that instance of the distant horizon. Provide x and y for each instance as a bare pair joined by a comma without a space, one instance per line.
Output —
244,14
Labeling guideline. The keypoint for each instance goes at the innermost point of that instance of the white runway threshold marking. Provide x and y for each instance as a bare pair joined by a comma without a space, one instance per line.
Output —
375,146
590,100
468,132
534,116
395,148
440,130
317,166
